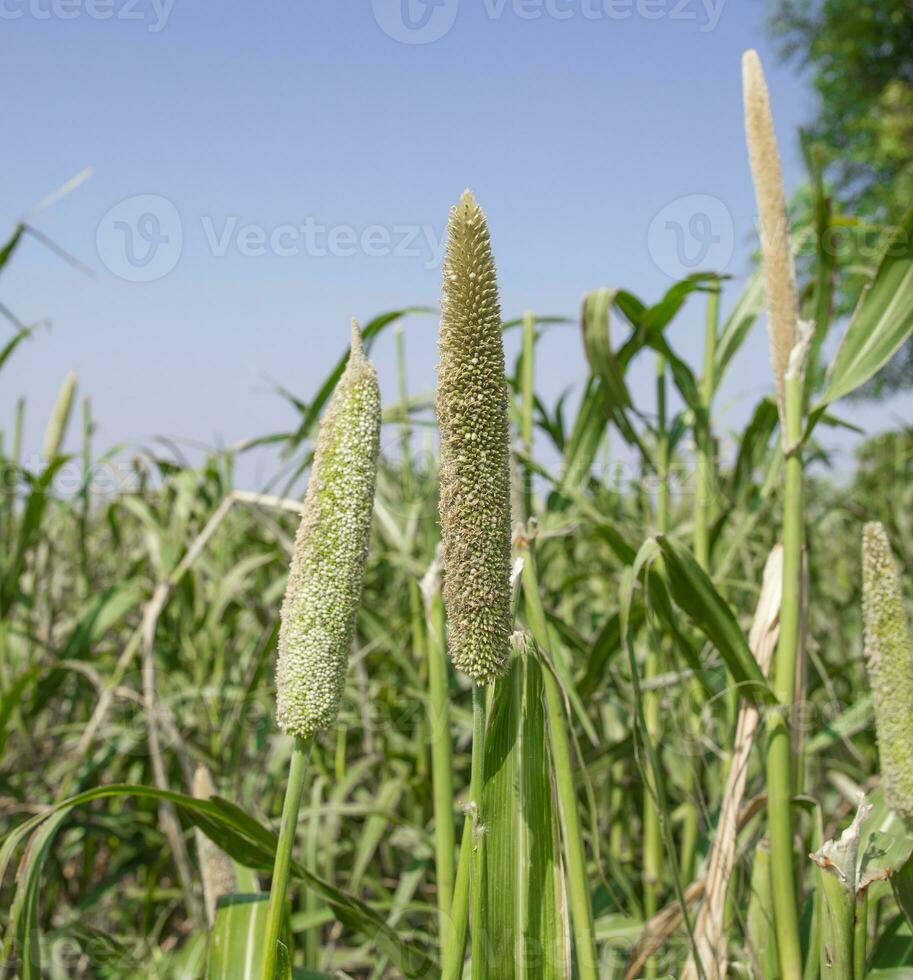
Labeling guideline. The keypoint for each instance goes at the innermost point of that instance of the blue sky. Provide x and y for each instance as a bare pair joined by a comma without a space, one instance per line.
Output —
298,161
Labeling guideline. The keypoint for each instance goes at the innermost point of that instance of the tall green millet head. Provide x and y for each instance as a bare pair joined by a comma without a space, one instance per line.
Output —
475,451
889,658
331,550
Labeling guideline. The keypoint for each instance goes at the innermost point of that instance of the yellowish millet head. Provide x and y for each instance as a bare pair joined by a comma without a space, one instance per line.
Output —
216,869
475,451
331,550
56,429
888,648
776,253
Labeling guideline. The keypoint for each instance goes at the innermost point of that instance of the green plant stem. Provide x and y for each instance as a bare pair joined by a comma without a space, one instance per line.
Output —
662,447
441,765
406,429
837,928
760,935
779,754
527,392
860,934
293,793
85,494
455,945
704,482
563,766
476,785
311,937
578,890
653,843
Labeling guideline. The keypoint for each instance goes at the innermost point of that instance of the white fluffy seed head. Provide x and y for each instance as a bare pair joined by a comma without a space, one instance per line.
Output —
889,658
331,550
776,253
475,451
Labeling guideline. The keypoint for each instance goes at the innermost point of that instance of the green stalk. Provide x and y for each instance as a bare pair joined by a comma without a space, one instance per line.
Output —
310,939
476,785
662,447
837,928
11,476
860,934
779,754
527,393
86,496
703,505
759,927
293,793
653,843
578,890
471,866
703,498
441,765
406,431
563,766
455,945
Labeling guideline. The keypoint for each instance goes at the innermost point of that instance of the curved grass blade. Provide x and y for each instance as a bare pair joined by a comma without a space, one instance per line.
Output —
695,594
234,831
882,321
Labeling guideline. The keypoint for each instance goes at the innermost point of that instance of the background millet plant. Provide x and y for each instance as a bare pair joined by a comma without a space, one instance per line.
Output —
605,782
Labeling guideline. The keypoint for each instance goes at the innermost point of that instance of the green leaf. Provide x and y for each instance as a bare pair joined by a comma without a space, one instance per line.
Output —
882,321
853,719
597,342
695,594
11,698
527,923
7,350
236,943
7,251
236,833
825,257
738,325
585,438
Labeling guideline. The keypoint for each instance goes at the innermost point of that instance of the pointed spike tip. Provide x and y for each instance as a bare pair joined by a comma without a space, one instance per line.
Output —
358,350
467,199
